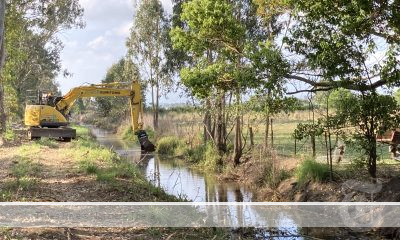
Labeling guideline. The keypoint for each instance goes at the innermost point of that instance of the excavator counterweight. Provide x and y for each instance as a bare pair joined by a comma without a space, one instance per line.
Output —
49,116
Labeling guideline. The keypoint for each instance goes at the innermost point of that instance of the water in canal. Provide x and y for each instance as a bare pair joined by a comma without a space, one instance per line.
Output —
177,179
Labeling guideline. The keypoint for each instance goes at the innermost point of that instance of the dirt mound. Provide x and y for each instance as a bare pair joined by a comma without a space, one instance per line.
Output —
390,191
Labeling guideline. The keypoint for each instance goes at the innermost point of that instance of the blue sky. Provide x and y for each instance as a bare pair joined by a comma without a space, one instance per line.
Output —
89,52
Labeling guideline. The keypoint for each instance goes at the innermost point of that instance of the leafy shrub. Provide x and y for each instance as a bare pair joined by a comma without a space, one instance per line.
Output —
195,154
88,166
211,157
272,176
9,135
171,146
312,170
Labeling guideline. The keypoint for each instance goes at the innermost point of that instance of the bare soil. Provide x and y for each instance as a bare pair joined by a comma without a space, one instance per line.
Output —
59,180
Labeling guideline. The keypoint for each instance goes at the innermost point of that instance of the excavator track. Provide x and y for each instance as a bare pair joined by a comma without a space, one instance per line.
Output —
65,134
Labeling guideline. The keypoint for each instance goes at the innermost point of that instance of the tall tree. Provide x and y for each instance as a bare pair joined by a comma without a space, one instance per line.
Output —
146,46
215,39
336,44
33,47
3,117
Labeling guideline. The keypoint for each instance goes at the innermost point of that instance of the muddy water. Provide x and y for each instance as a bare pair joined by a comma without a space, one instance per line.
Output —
178,179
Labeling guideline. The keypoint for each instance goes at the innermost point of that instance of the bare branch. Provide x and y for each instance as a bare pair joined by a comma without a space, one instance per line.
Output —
351,85
314,90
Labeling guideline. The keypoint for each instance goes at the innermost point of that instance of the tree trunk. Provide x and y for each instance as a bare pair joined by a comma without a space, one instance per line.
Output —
156,107
238,142
272,133
266,135
251,136
207,123
314,154
372,157
327,148
237,148
220,126
3,116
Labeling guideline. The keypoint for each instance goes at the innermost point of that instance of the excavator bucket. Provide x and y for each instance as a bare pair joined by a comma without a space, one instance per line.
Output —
144,141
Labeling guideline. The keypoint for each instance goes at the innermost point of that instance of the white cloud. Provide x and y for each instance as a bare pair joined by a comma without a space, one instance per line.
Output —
97,43
89,52
72,44
124,29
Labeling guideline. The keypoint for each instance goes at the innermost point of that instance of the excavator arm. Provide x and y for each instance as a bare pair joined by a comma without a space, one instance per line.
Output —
56,111
65,104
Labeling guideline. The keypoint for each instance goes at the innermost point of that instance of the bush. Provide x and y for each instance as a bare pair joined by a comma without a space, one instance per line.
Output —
273,176
195,154
211,158
9,135
88,166
127,134
171,146
312,170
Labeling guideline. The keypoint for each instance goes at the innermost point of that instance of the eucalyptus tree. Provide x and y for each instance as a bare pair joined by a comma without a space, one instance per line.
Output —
33,47
215,39
2,58
147,46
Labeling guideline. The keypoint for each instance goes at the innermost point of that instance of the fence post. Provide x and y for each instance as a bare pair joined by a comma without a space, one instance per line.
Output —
251,136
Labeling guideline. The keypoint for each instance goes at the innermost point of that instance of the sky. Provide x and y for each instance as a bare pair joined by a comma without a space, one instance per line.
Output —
89,52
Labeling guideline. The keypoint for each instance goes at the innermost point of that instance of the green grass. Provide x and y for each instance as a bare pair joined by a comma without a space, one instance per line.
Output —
24,167
195,154
312,170
94,159
272,177
9,135
210,159
172,146
88,166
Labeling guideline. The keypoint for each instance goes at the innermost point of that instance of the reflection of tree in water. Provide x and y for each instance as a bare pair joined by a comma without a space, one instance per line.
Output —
157,180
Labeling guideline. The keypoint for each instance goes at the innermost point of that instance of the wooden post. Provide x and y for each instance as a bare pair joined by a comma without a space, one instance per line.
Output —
251,136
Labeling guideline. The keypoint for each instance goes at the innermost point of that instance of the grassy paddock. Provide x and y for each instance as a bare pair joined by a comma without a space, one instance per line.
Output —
187,126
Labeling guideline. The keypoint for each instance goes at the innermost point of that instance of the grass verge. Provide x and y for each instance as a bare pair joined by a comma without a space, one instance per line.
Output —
312,170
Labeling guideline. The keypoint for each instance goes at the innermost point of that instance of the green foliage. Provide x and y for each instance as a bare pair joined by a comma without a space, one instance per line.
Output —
51,143
397,96
33,47
88,166
147,46
195,154
128,134
212,30
211,158
9,135
334,97
171,146
114,109
272,176
25,168
270,105
305,130
312,170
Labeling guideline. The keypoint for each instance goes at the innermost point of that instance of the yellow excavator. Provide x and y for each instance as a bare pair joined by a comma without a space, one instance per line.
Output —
48,115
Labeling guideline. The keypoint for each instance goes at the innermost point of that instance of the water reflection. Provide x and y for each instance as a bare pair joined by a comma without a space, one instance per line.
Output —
176,178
